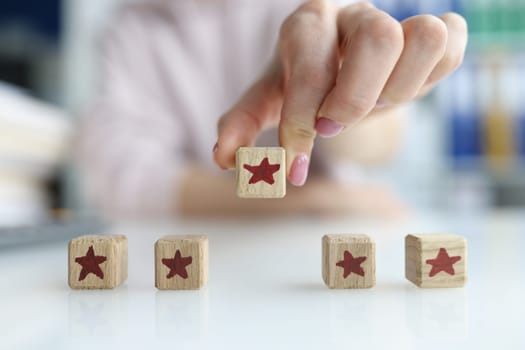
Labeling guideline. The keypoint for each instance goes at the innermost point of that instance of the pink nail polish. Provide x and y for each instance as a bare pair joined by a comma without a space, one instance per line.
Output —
381,104
328,128
299,170
215,147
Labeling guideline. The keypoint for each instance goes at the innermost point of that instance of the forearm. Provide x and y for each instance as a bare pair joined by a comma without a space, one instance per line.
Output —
372,141
202,192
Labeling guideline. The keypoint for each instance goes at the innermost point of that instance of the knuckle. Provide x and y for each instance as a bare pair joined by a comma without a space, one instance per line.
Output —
357,7
456,22
312,7
359,106
363,5
351,12
304,133
287,27
356,106
430,32
383,30
309,15
289,23
300,129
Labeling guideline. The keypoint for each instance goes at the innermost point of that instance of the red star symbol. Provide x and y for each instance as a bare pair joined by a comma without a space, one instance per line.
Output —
262,172
351,264
443,262
177,265
90,264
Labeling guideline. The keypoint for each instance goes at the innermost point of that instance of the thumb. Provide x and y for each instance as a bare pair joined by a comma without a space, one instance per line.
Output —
256,111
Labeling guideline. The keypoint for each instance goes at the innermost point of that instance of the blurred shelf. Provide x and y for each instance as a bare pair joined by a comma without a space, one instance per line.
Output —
487,41
503,165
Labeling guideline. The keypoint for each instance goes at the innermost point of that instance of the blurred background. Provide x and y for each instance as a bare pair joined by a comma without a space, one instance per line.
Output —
465,150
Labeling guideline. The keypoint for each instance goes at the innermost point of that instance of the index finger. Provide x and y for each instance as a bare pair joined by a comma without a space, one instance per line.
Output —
310,60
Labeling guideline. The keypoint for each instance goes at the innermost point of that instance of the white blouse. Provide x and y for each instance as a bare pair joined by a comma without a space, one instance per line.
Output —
168,71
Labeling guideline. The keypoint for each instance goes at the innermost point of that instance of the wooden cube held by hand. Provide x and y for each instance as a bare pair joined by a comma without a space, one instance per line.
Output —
98,261
261,172
436,260
349,261
181,262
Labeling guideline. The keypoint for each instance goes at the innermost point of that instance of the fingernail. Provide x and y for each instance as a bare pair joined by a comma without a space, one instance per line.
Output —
381,104
328,128
215,147
299,170
430,80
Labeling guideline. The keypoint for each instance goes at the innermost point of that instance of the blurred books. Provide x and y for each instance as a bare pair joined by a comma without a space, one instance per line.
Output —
34,139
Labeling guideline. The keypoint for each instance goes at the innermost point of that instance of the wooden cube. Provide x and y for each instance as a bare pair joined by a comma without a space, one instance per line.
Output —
261,172
181,262
349,261
436,260
98,261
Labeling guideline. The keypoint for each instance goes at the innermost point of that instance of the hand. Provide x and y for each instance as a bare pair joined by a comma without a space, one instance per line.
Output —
334,67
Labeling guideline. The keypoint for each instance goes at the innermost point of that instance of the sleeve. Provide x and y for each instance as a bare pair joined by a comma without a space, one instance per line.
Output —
130,143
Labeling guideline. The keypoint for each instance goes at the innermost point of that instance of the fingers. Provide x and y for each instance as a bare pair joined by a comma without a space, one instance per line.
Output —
374,45
336,66
309,54
425,42
256,111
455,48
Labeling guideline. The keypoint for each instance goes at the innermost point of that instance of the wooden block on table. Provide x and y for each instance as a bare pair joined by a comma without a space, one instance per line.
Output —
349,261
261,172
436,260
98,261
181,262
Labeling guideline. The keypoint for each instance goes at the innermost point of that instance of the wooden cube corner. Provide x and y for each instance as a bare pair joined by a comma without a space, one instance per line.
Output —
436,260
97,261
261,172
181,262
349,261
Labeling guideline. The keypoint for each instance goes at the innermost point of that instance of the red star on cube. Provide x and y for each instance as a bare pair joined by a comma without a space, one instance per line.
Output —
443,262
262,172
90,264
351,264
177,265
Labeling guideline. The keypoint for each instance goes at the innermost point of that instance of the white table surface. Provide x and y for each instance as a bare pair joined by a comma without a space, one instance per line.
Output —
265,291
